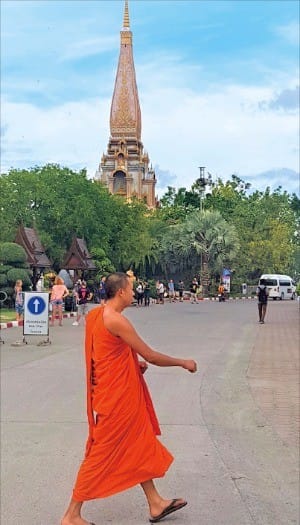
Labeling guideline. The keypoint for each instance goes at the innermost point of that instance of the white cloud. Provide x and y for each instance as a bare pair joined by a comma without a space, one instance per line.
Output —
224,130
290,32
72,134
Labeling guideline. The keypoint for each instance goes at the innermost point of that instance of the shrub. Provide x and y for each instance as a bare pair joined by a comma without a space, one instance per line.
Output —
3,280
19,273
4,268
11,252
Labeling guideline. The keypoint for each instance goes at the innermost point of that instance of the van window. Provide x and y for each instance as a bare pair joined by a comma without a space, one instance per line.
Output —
285,283
271,282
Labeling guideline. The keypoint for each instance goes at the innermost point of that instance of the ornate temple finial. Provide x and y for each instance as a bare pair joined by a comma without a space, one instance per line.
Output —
126,16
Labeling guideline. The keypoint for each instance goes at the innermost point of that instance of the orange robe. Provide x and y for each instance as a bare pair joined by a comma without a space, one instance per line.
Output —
122,448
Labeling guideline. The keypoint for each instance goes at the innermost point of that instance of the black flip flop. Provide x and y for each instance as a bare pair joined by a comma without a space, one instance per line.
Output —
168,510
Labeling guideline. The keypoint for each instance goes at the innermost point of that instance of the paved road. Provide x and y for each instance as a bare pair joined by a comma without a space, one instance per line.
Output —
232,426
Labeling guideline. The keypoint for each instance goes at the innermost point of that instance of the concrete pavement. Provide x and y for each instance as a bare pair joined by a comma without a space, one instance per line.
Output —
231,427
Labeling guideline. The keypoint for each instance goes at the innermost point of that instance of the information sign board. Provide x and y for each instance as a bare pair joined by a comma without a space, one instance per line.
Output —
36,313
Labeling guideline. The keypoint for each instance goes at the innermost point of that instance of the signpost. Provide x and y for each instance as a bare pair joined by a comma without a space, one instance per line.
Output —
36,314
226,279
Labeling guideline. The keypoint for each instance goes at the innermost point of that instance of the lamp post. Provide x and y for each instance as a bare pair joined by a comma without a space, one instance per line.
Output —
203,181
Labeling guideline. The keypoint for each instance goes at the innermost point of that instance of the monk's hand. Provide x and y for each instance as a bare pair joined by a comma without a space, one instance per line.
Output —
143,366
190,365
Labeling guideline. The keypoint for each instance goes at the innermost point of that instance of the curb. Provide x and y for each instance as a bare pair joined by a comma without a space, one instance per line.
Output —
15,324
227,298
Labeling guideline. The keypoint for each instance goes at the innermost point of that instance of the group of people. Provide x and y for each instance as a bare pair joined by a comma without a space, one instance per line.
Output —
175,292
169,291
82,294
142,293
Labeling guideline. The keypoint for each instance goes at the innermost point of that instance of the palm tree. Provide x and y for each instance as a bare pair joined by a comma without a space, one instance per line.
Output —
203,234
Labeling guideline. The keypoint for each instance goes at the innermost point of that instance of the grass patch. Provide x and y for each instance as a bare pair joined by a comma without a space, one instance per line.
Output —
7,315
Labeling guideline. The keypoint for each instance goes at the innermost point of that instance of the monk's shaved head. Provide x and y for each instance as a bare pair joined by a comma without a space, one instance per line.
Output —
114,282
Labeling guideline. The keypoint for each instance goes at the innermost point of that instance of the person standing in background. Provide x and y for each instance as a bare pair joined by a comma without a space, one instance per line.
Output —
83,295
181,290
58,293
140,293
171,291
102,292
19,300
146,293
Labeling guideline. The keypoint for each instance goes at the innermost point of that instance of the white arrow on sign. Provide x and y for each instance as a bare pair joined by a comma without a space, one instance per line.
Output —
36,306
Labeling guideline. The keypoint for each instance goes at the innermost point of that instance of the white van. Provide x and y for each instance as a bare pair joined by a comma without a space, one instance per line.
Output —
279,286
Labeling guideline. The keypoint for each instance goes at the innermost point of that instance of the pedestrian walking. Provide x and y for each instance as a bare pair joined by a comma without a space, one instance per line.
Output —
83,295
193,290
262,295
122,448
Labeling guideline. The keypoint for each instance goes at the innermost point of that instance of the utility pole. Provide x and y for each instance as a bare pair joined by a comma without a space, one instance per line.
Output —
203,181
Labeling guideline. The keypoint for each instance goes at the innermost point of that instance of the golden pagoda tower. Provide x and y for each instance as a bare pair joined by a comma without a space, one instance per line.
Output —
124,169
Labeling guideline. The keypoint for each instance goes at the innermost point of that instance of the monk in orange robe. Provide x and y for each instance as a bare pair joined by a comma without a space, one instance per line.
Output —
122,448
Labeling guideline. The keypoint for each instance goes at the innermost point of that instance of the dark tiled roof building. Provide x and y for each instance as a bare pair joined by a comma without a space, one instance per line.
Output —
78,257
29,240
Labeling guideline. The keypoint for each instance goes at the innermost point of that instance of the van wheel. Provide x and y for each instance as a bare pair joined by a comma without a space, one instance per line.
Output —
282,296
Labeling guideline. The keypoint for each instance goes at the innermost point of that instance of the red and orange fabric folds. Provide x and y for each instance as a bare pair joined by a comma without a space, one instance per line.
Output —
122,448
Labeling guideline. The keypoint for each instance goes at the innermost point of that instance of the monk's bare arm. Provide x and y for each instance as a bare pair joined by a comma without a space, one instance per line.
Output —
121,327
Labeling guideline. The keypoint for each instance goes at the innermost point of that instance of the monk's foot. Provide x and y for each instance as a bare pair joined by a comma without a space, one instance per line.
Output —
164,507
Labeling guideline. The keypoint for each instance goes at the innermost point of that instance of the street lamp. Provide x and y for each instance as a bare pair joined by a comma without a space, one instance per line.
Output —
203,181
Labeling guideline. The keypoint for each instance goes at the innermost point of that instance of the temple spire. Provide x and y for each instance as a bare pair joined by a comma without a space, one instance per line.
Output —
126,16
124,169
125,114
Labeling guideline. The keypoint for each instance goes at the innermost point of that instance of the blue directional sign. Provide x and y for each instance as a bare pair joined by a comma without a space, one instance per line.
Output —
36,305
36,313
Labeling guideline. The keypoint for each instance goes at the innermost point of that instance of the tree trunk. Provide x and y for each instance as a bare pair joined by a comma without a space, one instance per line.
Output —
204,274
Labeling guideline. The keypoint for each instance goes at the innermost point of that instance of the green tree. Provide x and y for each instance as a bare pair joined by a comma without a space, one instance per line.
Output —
267,224
102,262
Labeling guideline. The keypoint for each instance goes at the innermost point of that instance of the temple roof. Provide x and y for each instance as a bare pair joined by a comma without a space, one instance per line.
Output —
29,240
78,256
125,113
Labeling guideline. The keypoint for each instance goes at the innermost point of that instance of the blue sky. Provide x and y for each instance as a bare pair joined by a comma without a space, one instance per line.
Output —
218,84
